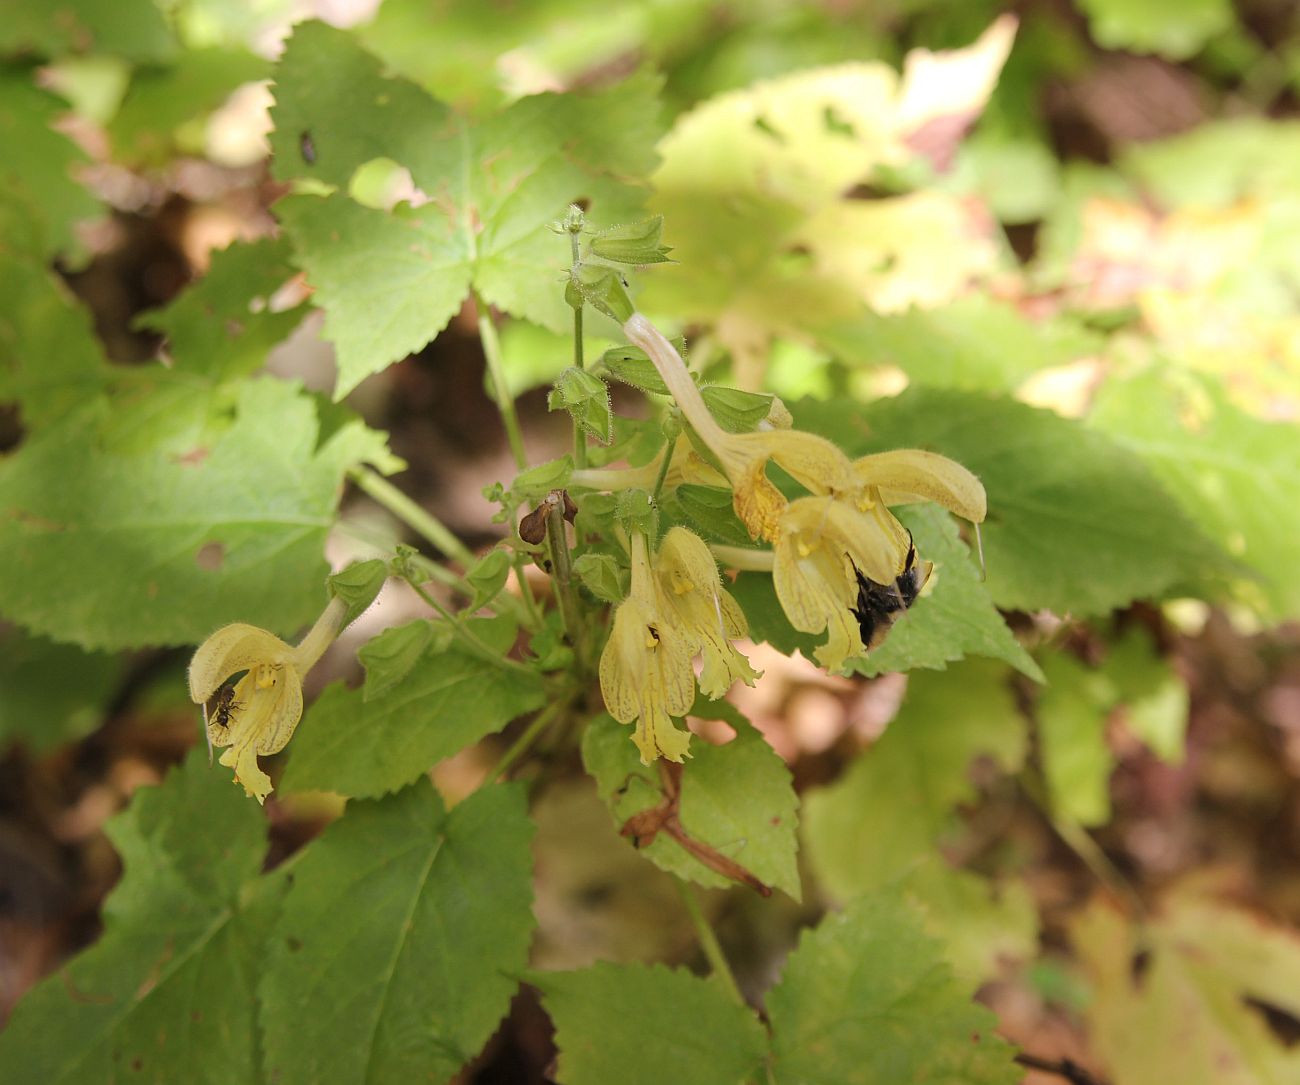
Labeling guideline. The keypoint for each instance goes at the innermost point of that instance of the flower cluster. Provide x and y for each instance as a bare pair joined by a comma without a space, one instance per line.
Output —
260,713
675,609
832,545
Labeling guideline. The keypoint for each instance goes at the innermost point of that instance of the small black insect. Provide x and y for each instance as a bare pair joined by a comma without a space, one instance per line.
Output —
880,605
307,148
218,710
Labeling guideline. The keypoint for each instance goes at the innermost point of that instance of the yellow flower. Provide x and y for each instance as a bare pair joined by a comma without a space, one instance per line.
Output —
689,580
260,715
842,541
645,669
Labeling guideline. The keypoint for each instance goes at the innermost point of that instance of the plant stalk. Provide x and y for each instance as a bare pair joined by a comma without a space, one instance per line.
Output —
709,942
487,332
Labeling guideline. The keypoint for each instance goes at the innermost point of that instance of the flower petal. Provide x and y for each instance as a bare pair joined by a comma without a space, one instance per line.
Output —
243,759
229,650
910,474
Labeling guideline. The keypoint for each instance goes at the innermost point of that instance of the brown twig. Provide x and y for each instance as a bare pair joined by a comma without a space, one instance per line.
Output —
1068,1069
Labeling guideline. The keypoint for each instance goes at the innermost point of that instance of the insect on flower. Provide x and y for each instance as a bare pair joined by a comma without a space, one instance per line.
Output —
218,709
879,606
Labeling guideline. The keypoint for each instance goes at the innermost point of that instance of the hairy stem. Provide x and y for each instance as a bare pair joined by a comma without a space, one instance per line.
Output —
487,332
384,493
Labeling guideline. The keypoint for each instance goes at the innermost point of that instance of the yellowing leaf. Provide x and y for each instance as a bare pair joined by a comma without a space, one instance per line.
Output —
1180,1000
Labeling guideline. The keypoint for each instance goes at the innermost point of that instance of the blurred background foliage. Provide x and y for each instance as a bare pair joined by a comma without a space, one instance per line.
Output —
1114,856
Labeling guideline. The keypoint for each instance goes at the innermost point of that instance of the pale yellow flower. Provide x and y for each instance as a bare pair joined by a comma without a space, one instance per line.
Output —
260,716
646,675
689,579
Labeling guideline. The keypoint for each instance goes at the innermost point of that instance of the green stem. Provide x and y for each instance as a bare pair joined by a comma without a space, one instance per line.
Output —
579,438
562,574
528,736
534,612
709,942
391,498
664,464
487,332
472,640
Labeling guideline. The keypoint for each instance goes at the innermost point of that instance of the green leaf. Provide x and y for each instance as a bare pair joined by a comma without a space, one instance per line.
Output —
866,999
1077,523
604,289
168,993
364,746
974,343
1234,474
602,575
493,184
632,365
737,798
953,620
535,483
586,399
712,510
134,29
396,952
1077,762
389,657
488,576
1173,29
954,617
636,244
161,100
222,326
647,1025
898,799
50,360
358,585
121,546
36,170
1155,697
53,693
736,411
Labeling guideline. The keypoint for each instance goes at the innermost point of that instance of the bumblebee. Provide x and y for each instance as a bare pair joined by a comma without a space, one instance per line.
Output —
879,606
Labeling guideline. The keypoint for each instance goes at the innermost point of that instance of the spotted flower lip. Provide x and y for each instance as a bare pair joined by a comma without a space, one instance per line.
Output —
646,676
263,710
676,607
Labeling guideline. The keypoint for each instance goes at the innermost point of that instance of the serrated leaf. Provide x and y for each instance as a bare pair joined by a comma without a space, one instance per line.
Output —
866,999
737,798
37,168
389,657
587,400
222,326
494,186
1235,475
890,810
366,746
1076,523
53,693
414,990
1192,1012
175,972
647,1025
954,618
160,540
1077,762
